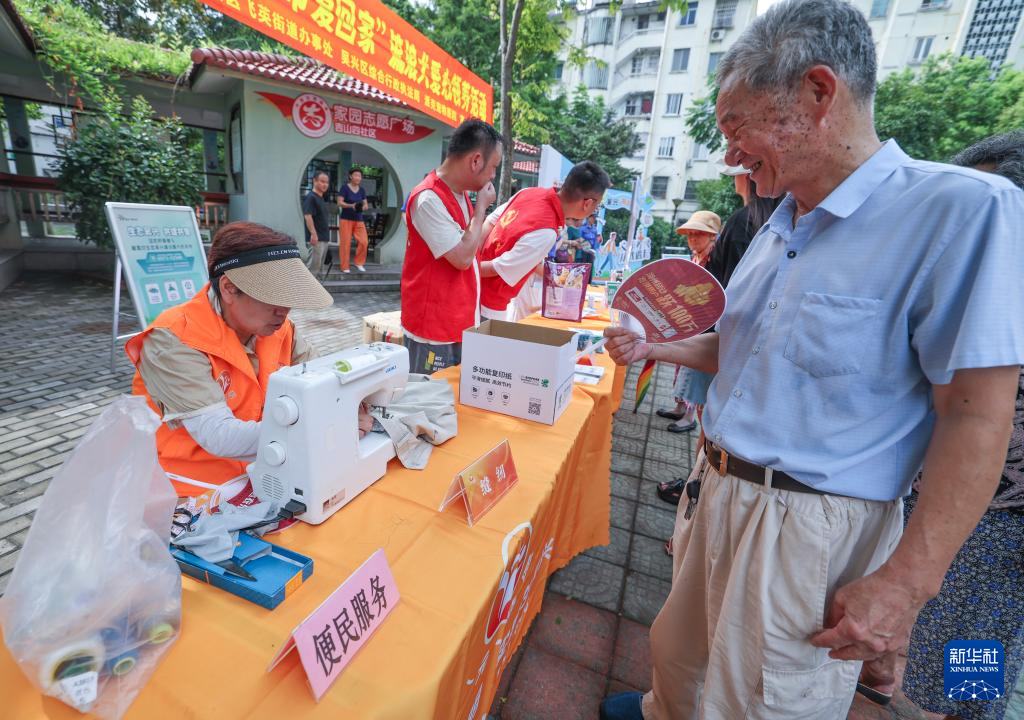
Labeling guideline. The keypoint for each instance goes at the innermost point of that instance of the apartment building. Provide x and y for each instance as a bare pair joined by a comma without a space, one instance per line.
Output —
650,64
909,31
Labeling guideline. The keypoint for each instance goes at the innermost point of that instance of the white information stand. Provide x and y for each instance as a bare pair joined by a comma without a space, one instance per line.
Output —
160,252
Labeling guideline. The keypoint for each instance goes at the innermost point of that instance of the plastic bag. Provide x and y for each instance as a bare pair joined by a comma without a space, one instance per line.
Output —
95,598
565,290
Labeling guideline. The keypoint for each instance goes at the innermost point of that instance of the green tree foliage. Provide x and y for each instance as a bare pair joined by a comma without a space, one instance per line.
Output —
177,24
701,123
948,104
127,158
90,60
718,196
584,129
933,112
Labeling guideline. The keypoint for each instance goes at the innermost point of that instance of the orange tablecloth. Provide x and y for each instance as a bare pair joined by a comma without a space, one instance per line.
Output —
439,654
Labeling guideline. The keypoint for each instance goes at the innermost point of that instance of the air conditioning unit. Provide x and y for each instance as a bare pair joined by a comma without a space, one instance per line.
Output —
717,35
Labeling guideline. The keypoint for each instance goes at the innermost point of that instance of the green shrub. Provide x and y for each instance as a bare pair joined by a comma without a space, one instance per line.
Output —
134,158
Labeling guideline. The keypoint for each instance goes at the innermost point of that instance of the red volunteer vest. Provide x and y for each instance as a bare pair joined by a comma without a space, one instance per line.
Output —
438,300
199,326
530,209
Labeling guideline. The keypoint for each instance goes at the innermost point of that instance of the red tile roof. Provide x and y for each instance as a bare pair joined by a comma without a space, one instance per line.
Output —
524,149
296,70
526,166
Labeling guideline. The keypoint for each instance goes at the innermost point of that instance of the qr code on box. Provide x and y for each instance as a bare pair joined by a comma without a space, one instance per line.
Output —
534,408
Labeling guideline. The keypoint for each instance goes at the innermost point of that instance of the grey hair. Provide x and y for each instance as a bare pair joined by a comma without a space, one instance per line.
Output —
1005,151
777,48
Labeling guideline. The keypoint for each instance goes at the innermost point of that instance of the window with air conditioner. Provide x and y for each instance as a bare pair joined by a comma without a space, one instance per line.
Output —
922,46
725,14
674,104
659,186
680,59
666,147
879,8
690,16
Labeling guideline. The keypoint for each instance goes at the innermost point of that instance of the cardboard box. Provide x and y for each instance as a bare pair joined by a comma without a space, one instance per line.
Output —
519,370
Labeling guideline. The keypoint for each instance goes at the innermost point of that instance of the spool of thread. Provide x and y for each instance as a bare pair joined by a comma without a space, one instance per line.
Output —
119,645
74,658
156,630
123,663
356,362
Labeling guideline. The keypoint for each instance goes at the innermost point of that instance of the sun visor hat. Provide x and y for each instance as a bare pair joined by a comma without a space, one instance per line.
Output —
274,275
733,170
702,221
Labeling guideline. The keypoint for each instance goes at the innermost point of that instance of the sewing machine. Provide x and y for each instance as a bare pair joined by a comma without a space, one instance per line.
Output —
309,449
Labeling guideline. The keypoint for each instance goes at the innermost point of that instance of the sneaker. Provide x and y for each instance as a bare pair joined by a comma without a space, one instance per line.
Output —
346,271
360,268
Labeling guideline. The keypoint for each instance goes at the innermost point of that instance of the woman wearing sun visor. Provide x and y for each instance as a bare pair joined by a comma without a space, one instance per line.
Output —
204,365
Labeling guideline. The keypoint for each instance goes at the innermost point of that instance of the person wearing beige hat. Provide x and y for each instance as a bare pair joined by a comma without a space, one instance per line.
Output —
701,230
203,366
690,386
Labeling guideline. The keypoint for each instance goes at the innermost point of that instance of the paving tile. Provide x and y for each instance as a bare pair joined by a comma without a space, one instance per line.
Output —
616,551
505,683
625,486
547,687
627,445
631,664
656,521
626,464
663,471
590,580
647,555
575,631
667,453
622,512
644,597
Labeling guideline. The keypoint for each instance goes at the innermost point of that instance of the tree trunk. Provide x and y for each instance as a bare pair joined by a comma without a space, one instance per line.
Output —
507,49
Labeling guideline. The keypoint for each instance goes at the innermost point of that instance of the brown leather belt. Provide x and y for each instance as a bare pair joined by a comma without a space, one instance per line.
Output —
726,464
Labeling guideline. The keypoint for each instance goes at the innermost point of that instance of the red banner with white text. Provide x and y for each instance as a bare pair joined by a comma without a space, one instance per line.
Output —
370,42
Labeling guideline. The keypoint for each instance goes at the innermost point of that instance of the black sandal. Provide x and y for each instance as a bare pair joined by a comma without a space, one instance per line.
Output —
671,492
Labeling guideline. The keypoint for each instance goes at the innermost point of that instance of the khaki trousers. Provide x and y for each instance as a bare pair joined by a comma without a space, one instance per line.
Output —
754,571
315,261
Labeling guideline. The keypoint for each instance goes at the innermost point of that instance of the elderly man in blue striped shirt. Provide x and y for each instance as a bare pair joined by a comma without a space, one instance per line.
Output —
875,327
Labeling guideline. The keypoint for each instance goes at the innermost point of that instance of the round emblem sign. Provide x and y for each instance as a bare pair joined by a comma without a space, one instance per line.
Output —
311,115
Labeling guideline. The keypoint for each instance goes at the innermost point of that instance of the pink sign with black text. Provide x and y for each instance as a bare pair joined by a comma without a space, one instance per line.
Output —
331,635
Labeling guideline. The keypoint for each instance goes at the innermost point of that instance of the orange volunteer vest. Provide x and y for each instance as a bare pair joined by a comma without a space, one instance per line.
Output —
199,326
530,209
438,300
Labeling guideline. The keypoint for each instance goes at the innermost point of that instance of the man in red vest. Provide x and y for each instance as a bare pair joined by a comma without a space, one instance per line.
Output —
527,227
440,275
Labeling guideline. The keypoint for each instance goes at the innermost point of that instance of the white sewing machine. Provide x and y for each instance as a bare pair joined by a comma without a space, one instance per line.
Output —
310,450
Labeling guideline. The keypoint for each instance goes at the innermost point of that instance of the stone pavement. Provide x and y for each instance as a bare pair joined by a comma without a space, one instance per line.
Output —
591,637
